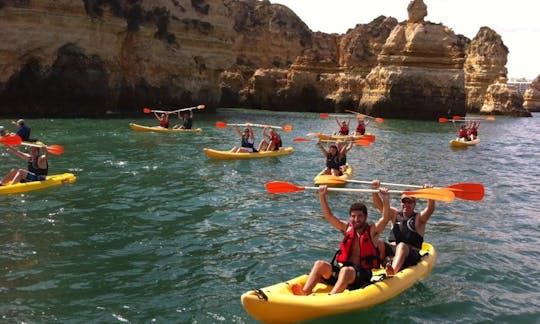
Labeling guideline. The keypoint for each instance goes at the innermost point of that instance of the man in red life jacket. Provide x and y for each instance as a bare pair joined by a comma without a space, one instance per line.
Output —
357,253
407,234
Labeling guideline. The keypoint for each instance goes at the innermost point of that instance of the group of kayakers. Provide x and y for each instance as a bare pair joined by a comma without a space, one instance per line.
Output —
271,140
344,127
362,248
185,117
36,158
468,131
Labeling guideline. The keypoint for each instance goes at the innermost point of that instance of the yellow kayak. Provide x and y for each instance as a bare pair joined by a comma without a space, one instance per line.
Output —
277,303
50,181
330,137
457,143
329,180
228,155
159,129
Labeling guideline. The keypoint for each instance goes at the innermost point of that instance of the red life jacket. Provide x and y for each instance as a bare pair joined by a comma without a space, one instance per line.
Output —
344,130
369,255
361,129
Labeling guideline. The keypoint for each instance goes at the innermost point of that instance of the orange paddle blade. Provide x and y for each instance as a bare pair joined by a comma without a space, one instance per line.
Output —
457,117
277,187
201,106
301,139
379,120
220,124
147,110
324,115
490,118
55,149
11,140
467,191
363,142
286,128
440,194
443,120
369,137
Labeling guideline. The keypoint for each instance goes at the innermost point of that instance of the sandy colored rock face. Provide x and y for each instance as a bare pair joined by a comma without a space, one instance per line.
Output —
65,57
532,96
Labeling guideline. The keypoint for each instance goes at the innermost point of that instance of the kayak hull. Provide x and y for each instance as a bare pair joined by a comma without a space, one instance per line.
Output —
158,129
50,181
228,155
457,143
330,137
277,303
329,180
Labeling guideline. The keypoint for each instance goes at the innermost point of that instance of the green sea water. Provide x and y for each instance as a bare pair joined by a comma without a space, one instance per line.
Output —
154,231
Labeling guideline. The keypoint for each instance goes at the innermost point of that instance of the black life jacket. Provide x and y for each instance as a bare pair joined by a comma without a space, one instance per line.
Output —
332,161
34,168
405,231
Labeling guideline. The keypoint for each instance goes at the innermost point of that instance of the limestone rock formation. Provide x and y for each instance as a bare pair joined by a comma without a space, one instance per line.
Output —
486,58
87,57
419,74
500,99
532,96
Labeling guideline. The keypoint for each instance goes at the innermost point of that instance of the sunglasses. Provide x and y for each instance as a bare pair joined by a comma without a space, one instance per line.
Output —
407,200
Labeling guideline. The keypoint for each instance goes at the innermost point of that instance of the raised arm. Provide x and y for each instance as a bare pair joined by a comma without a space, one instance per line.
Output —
327,213
17,153
324,151
237,130
385,215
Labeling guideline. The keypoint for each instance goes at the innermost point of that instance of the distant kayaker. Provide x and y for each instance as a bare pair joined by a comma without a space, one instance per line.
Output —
274,140
248,141
186,118
472,129
3,131
38,166
357,254
462,132
163,119
407,234
334,159
343,127
343,149
23,131
361,127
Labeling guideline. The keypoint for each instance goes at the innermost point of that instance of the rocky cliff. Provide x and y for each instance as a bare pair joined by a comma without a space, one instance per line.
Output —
532,96
69,57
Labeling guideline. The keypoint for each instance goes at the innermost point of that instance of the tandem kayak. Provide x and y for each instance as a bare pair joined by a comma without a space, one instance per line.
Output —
228,155
50,181
457,143
330,137
159,129
277,303
330,180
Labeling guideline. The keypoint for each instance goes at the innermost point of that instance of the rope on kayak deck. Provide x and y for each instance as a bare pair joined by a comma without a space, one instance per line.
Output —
259,293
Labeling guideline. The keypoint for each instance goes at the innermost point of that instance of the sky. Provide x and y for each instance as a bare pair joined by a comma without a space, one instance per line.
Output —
516,21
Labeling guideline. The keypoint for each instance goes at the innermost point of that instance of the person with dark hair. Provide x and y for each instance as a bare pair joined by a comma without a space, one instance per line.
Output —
274,140
186,118
23,131
248,141
343,127
163,119
357,254
407,234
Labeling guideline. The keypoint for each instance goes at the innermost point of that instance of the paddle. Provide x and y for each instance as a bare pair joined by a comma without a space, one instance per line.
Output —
368,137
361,142
464,119
11,140
465,190
278,187
285,128
149,111
362,116
53,149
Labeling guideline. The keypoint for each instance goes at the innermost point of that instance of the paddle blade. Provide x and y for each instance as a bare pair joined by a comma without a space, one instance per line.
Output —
324,115
55,149
467,191
277,187
11,140
363,142
490,118
220,124
369,137
286,128
439,194
201,106
147,110
443,120
301,139
379,120
457,117
313,134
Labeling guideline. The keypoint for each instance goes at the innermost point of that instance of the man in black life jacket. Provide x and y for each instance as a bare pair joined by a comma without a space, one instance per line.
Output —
357,253
407,234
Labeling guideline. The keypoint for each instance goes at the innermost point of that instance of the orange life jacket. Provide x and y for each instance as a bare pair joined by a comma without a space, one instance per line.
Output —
369,255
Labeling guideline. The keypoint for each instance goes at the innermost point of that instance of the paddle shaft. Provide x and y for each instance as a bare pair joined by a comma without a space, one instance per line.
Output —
177,110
